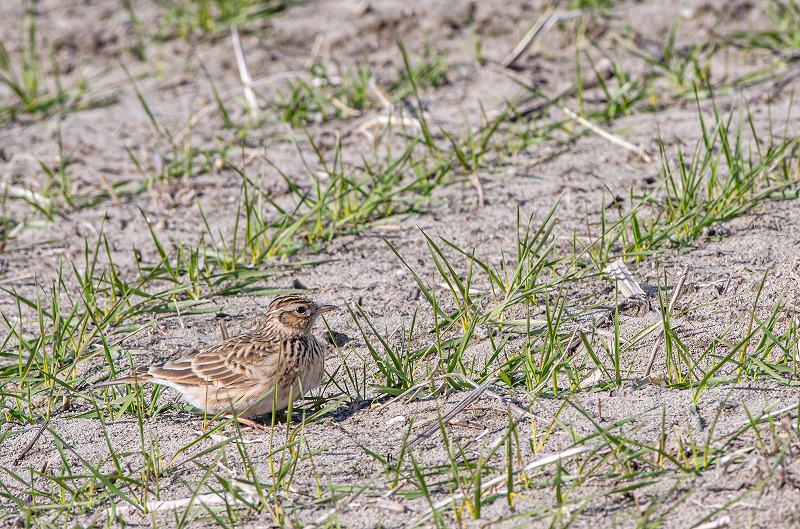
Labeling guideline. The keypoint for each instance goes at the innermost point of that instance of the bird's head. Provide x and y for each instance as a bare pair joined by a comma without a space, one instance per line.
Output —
294,315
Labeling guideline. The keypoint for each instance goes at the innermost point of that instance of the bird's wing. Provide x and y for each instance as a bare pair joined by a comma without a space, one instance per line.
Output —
236,362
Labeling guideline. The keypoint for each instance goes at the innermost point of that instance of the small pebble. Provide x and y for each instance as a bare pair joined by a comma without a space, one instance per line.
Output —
400,419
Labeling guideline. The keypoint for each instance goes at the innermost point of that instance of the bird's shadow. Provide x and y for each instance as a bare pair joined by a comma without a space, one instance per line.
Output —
315,411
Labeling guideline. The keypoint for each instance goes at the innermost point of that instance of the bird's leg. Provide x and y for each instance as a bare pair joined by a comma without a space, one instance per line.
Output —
252,424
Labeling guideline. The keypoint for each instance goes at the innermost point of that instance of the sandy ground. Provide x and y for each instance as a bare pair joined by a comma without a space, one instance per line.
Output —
93,41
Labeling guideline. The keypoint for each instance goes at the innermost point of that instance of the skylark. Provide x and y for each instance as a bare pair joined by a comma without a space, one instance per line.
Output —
251,374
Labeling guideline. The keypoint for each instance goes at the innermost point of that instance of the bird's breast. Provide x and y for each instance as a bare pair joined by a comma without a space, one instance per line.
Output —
303,362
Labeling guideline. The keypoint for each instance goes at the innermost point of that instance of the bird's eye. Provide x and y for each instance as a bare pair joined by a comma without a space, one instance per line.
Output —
300,310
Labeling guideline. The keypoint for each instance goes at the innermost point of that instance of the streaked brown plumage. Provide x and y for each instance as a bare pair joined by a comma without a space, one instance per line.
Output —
240,374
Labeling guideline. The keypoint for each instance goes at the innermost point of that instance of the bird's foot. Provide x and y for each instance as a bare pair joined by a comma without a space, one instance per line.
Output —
259,427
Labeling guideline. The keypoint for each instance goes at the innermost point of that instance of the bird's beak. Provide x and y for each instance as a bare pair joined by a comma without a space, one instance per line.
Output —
324,308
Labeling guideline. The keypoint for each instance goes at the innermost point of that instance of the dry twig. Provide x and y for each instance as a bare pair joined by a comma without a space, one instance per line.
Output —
571,452
675,295
616,140
244,75
539,28
471,397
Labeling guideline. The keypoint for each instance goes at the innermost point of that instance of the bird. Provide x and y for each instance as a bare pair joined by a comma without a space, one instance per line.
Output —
252,374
